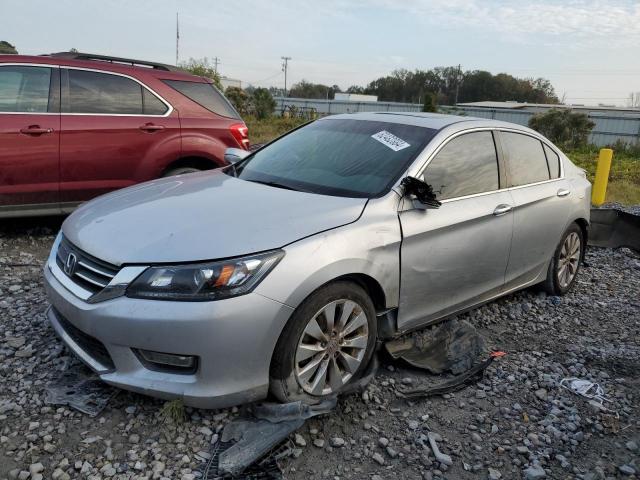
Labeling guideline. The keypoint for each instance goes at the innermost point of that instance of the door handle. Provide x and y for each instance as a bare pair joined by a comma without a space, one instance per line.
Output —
150,127
563,192
35,130
502,209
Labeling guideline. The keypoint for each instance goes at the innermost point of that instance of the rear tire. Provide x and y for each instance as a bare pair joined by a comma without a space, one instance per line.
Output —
326,345
180,171
565,264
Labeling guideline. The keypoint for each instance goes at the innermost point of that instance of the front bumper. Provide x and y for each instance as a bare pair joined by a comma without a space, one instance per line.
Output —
233,340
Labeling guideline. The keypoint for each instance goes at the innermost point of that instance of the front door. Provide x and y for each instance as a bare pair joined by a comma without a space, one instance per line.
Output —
114,131
456,256
29,136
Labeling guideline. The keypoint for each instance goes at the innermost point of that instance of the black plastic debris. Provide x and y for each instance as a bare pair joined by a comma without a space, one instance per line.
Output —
454,346
251,446
614,228
81,390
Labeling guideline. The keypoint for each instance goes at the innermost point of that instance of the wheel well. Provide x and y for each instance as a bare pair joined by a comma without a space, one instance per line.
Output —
194,162
370,285
584,226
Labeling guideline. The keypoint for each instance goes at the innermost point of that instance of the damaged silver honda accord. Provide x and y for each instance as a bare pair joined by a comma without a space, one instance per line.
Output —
279,273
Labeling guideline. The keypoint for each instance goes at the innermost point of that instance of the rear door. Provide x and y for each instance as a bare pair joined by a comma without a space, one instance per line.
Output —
29,137
114,132
456,256
541,205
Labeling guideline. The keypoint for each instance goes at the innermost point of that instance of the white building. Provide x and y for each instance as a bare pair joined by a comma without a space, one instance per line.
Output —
355,97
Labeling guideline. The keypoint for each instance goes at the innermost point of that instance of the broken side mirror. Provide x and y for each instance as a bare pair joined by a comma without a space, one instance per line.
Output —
234,155
425,198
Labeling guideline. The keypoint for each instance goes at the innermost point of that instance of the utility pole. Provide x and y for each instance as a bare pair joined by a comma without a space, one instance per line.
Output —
285,66
216,61
457,84
177,37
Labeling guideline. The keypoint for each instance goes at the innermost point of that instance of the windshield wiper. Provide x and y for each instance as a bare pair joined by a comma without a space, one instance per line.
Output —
275,184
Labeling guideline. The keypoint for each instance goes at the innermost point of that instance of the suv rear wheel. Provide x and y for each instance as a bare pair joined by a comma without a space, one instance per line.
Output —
325,346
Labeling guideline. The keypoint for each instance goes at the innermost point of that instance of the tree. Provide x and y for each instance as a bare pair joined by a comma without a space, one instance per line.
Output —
429,103
263,103
7,48
73,50
304,89
563,127
202,68
239,98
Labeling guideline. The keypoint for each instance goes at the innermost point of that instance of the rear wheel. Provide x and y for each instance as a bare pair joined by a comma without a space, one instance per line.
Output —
325,346
565,264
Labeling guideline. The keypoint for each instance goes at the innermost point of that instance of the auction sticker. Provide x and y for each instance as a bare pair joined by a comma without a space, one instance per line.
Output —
390,140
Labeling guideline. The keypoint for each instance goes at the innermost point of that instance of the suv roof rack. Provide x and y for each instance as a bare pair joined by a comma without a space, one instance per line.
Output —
106,58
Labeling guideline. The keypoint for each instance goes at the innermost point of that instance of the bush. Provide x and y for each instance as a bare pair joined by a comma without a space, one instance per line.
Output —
239,98
565,128
429,103
263,103
7,48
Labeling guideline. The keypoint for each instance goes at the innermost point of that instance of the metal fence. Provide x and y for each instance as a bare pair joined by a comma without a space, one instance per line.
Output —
609,127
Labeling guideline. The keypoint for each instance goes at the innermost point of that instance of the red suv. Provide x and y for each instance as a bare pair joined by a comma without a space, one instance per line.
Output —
74,126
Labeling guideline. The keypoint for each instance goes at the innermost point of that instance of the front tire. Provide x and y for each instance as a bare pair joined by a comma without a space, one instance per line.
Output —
565,264
326,345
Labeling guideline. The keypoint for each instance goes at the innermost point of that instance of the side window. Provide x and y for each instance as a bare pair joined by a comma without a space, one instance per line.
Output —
553,160
527,162
152,104
24,89
466,165
93,92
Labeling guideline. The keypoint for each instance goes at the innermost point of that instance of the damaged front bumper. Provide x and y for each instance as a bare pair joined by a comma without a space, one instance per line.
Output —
232,340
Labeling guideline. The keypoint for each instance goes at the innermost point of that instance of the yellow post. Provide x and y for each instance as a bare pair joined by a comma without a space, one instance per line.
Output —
599,191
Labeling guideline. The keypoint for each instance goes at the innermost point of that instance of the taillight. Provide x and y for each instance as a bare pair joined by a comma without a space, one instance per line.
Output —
241,133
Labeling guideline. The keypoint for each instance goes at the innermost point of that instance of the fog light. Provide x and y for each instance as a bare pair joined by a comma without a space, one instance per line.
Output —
168,360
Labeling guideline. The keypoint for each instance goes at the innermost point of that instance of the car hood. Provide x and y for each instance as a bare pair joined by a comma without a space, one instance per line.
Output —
201,216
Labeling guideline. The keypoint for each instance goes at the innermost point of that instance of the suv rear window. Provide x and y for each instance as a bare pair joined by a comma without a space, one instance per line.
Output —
206,95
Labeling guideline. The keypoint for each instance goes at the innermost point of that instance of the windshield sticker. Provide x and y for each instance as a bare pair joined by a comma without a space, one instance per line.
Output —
390,140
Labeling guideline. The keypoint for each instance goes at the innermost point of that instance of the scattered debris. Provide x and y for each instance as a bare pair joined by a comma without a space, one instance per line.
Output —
441,457
589,390
81,390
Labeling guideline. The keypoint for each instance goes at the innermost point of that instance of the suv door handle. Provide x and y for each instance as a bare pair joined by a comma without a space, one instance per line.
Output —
563,192
502,209
150,127
35,130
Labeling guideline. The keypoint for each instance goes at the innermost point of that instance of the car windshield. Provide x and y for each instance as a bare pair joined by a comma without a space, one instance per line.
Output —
339,157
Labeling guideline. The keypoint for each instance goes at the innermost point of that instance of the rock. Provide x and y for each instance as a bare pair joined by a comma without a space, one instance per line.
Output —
337,442
383,442
36,468
300,441
494,474
631,446
535,472
319,442
542,394
379,459
627,470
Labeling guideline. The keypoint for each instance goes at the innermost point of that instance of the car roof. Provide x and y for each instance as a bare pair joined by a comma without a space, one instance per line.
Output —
105,65
436,121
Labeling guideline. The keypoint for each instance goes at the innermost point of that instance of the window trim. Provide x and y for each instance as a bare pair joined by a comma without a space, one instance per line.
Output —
51,83
65,93
502,160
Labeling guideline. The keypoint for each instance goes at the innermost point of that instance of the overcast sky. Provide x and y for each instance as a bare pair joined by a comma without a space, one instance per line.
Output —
589,49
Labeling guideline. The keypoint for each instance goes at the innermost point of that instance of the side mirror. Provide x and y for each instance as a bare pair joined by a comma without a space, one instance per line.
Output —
422,191
234,155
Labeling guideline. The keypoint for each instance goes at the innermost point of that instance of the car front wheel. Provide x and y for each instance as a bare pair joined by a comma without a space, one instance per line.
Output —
565,264
325,346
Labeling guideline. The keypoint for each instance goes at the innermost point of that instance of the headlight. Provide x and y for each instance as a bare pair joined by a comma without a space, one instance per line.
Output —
204,281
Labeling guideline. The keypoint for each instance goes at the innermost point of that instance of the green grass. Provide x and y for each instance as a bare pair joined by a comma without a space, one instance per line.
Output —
624,178
173,412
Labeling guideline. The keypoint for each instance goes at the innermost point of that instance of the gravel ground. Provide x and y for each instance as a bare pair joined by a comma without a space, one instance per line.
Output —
515,423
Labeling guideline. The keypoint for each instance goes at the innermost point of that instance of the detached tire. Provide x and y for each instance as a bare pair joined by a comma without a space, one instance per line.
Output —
565,264
326,345
180,171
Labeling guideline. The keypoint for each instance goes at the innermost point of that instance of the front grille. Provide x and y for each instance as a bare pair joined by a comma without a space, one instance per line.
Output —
91,346
88,272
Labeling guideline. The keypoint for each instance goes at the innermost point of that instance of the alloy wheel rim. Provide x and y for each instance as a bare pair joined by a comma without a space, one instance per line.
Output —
569,260
331,347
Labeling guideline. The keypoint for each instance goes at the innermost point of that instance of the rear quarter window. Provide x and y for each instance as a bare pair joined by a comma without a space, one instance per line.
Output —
553,160
205,95
526,159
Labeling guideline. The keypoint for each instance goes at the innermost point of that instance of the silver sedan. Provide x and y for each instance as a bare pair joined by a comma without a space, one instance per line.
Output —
278,273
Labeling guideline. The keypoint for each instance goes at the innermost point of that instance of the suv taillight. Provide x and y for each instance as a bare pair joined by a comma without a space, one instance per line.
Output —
241,133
